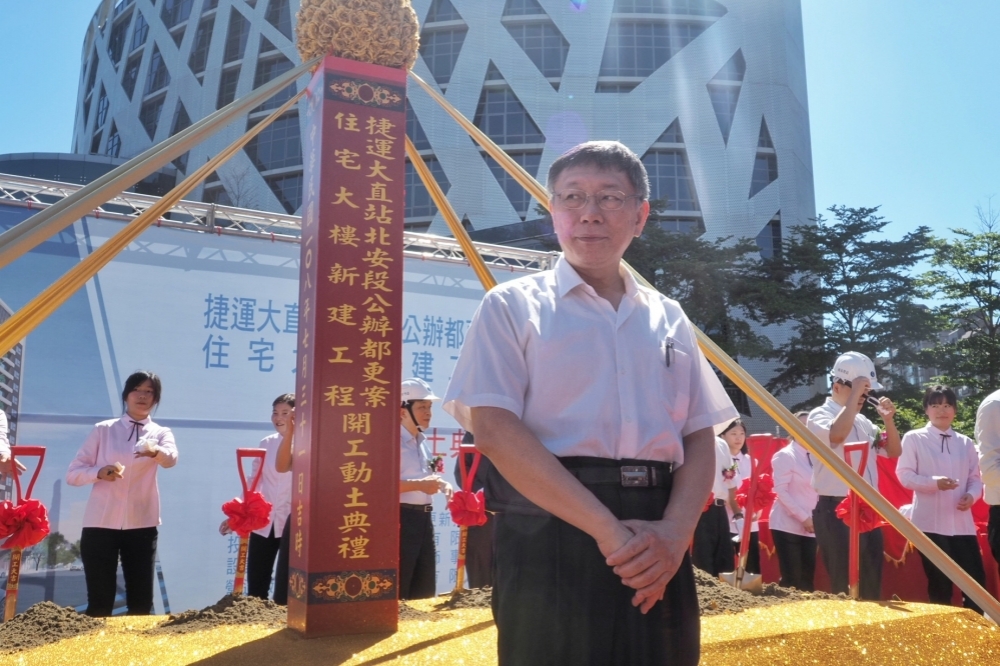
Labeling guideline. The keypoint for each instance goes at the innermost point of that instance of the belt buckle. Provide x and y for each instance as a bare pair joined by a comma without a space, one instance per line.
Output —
635,476
428,508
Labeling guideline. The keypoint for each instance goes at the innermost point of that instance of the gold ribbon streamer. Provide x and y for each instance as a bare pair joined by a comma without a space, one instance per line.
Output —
22,238
33,313
752,388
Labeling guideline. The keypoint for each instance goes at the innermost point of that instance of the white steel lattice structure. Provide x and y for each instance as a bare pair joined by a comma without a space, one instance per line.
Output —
711,93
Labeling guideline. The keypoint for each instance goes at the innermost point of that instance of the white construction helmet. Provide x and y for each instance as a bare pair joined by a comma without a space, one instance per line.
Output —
851,365
415,388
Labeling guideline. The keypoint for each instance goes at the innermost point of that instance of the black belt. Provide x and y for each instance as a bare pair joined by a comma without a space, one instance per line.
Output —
833,498
719,502
627,476
425,508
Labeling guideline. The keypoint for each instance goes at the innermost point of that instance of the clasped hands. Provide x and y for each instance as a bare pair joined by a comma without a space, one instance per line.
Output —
645,555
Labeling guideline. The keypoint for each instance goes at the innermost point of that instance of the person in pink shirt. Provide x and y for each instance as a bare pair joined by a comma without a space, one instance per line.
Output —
941,467
791,519
120,458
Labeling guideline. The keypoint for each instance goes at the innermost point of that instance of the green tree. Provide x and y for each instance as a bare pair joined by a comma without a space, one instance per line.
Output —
709,279
964,275
60,551
845,287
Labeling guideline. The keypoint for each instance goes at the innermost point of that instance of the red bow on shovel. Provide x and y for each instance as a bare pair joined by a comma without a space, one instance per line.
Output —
468,509
23,524
251,513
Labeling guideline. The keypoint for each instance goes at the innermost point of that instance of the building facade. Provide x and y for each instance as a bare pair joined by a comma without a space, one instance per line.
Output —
711,94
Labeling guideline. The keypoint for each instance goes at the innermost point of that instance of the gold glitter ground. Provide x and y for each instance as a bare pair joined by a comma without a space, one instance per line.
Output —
806,632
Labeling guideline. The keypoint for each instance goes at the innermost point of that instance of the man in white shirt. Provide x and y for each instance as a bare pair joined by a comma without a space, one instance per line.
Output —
586,391
419,479
988,437
836,422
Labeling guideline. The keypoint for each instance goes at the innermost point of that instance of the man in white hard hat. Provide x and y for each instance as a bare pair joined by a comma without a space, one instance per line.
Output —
836,422
988,439
418,481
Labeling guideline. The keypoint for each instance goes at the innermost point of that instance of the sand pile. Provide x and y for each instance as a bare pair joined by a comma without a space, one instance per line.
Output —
44,623
228,610
716,597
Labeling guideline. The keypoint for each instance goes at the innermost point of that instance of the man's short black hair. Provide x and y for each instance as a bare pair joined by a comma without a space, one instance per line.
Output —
137,378
284,399
606,155
940,393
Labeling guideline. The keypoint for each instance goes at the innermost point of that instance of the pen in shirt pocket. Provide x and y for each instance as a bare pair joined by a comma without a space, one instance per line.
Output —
668,350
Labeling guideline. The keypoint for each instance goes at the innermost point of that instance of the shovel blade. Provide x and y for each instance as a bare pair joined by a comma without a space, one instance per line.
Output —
751,582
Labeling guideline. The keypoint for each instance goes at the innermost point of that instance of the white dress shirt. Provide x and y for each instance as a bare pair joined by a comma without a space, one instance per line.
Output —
586,379
723,461
988,436
742,461
414,463
929,452
4,442
275,486
791,469
820,421
132,501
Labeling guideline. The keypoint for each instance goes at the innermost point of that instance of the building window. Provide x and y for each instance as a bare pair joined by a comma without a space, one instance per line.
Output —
288,189
149,115
227,87
672,134
518,196
523,8
670,178
442,10
95,144
502,116
216,195
543,43
175,11
202,40
765,172
209,4
440,49
102,108
278,145
415,131
131,74
724,92
159,76
269,69
689,7
116,42
139,32
418,198
114,145
236,38
280,16
639,48
92,77
181,122
769,239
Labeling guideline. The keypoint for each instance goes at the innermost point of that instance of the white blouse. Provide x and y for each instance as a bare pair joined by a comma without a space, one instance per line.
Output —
742,461
275,486
929,452
133,501
791,469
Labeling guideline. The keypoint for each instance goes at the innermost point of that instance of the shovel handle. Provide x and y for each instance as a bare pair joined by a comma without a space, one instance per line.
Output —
250,453
241,566
854,542
13,582
23,451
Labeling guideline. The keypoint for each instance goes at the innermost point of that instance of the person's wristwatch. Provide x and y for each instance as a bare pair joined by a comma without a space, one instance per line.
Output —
738,514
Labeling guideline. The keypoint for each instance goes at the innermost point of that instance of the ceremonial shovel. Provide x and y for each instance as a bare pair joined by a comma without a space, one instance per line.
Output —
14,573
740,579
241,557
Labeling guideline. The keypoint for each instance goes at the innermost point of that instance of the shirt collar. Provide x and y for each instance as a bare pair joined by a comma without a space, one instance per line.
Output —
934,431
408,438
127,420
568,279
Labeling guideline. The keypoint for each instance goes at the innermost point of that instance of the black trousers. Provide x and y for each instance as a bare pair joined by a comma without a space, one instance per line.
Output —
479,554
833,538
753,553
417,561
100,550
993,532
713,544
281,570
261,554
965,551
796,559
556,601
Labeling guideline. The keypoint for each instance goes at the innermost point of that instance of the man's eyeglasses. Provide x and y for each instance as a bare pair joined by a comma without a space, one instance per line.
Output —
606,199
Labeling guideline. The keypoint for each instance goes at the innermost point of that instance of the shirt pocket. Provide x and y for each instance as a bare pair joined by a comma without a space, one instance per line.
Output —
674,370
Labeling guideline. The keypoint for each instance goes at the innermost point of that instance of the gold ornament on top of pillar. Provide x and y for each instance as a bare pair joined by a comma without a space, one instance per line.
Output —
344,525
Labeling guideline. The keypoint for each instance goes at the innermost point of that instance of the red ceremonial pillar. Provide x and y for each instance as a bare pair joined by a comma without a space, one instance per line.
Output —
345,493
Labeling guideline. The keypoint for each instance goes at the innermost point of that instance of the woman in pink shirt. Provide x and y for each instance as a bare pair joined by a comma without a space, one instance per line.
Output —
121,457
941,467
791,515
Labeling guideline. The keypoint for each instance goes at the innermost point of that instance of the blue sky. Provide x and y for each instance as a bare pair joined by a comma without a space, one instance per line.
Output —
903,99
